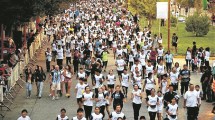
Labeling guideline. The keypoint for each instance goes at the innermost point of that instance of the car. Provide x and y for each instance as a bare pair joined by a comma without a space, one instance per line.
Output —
181,19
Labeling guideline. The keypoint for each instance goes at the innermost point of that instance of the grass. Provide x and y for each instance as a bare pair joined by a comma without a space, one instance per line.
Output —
185,38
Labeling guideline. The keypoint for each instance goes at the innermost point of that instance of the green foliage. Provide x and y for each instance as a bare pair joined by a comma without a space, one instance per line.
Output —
14,12
173,21
198,24
146,8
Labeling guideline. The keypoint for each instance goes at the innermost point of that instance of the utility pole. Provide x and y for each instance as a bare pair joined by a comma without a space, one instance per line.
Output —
168,24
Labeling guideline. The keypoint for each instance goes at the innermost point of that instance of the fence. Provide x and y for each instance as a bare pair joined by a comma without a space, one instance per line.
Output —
17,71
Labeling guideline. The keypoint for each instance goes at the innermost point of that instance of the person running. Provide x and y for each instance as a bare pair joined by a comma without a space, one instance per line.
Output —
101,100
62,115
172,110
125,82
169,60
24,115
149,84
96,115
68,53
120,63
117,113
104,55
98,80
67,73
160,70
111,78
80,115
79,90
48,55
185,79
168,96
152,102
160,105
87,99
136,97
174,78
56,80
117,97
191,102
164,84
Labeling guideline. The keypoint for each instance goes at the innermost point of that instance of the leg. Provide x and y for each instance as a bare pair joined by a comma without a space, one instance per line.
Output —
182,88
102,110
41,89
67,60
186,86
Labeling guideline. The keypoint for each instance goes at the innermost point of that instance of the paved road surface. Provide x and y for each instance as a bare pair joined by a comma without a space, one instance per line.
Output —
46,109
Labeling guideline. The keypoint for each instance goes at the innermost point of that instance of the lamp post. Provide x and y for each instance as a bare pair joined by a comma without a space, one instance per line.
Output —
168,24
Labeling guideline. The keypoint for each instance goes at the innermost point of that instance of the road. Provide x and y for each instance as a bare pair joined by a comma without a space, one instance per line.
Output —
46,109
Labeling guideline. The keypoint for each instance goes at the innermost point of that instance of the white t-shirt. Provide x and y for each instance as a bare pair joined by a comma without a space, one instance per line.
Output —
111,79
125,80
60,53
119,52
173,110
152,101
59,118
48,56
88,97
149,84
68,53
26,118
173,77
120,64
76,118
191,98
114,115
97,80
160,69
160,52
149,69
188,55
137,99
101,98
80,89
96,117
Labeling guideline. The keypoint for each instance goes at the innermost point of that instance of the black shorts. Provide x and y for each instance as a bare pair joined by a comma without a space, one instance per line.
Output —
174,44
79,100
110,86
120,73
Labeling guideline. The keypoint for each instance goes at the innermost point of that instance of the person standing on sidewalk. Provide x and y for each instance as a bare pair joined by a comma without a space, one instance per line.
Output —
191,102
48,55
56,79
40,78
136,97
185,79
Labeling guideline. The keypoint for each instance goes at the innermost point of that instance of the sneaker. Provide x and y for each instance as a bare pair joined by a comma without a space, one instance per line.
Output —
57,98
53,98
50,95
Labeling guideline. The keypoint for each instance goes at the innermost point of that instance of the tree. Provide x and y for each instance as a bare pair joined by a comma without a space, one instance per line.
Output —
145,8
17,12
198,24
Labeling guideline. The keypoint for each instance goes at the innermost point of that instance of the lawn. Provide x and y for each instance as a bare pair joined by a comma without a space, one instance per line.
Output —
185,38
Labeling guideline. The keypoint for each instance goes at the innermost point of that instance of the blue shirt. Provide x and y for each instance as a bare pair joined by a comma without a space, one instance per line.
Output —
56,76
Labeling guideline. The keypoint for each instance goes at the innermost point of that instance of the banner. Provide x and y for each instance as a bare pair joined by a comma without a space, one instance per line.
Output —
162,10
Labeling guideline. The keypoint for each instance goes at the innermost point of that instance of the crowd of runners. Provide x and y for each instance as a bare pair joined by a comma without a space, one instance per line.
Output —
86,35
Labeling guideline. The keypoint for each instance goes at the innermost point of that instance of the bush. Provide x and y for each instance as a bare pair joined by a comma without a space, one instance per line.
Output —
198,24
173,21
